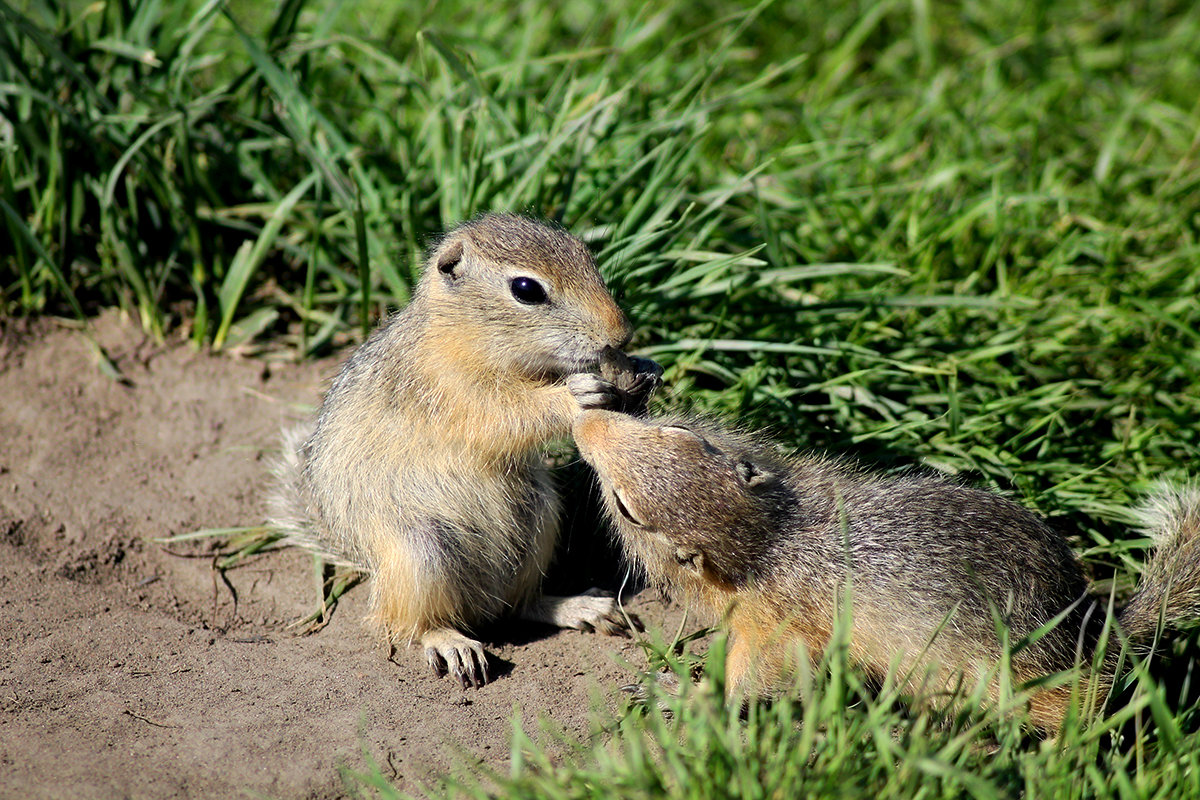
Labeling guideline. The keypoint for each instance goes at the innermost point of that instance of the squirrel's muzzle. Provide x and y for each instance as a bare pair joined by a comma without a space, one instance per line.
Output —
592,429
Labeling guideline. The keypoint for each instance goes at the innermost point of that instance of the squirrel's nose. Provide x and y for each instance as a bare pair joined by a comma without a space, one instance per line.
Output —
592,426
625,332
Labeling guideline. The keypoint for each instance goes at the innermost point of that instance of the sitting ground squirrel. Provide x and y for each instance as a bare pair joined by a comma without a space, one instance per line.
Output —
769,542
424,466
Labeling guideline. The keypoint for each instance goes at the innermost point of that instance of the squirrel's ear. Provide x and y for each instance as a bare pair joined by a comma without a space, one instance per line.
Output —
449,259
691,560
751,474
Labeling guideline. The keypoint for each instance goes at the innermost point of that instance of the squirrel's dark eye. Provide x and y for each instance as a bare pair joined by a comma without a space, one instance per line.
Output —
623,510
528,291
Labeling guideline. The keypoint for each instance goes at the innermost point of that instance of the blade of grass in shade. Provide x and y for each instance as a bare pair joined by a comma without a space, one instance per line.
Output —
302,117
467,75
118,171
16,224
19,239
249,327
103,361
200,249
251,254
117,255
48,46
310,270
838,66
364,269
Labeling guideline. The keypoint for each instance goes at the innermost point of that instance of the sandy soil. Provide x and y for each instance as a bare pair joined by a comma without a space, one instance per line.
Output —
126,670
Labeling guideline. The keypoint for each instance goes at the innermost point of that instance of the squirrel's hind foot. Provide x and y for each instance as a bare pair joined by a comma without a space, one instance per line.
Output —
657,687
594,610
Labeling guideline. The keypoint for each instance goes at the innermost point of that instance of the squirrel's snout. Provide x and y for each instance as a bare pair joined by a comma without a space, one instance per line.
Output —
591,429
626,333
620,329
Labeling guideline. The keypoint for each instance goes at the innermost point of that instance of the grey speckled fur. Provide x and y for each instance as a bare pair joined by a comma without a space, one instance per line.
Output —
769,542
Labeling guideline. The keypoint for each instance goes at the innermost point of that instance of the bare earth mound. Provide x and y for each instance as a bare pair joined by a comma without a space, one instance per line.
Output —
127,670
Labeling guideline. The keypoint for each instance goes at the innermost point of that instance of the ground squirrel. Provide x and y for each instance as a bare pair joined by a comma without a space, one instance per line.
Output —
424,466
768,541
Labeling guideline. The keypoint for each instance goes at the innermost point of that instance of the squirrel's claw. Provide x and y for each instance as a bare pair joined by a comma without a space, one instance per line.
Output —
634,379
665,685
611,621
624,384
451,653
437,664
594,610
646,367
592,391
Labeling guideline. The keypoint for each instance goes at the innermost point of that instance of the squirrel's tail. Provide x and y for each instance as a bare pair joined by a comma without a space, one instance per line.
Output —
287,510
1169,593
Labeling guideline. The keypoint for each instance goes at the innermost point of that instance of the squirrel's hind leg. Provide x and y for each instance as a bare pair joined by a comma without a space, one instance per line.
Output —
422,589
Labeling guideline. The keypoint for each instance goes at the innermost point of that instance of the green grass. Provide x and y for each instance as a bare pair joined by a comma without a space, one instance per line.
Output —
965,234
834,736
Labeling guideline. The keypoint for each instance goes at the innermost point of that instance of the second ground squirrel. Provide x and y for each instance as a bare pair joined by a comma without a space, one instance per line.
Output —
770,543
424,467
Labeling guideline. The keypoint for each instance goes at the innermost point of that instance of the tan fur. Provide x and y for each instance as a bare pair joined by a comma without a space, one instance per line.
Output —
424,465
768,544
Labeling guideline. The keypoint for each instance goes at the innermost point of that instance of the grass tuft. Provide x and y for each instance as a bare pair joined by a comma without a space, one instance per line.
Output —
834,734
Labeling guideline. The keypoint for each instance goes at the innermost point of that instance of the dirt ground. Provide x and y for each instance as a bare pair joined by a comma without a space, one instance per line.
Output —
126,670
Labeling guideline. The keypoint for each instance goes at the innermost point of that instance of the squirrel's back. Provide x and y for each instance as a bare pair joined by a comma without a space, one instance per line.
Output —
935,570
288,509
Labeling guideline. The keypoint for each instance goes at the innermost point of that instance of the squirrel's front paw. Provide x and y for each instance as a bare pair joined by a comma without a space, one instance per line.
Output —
451,653
641,384
592,391
634,378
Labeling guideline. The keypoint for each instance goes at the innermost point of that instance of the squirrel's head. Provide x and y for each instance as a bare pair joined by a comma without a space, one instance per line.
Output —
696,505
528,294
